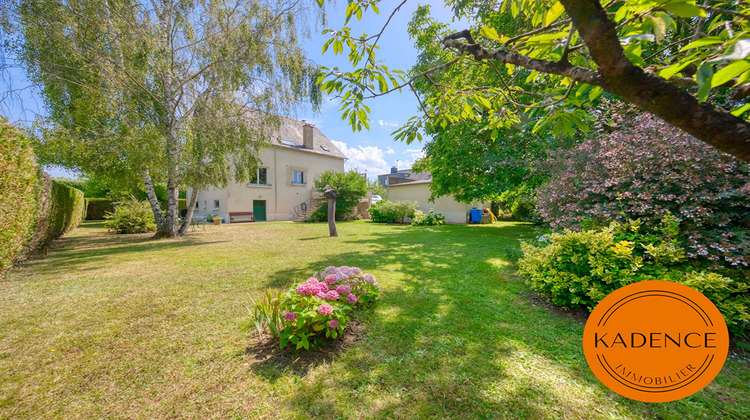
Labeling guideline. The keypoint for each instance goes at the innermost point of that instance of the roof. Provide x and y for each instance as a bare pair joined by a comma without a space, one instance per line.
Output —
289,135
421,181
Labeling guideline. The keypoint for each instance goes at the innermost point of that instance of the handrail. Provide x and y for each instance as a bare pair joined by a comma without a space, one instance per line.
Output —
307,205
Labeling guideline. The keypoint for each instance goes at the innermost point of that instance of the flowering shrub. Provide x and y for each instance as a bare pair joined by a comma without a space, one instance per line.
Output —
320,307
429,219
646,169
580,268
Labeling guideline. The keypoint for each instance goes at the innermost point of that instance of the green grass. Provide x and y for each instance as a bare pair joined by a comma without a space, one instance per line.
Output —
154,329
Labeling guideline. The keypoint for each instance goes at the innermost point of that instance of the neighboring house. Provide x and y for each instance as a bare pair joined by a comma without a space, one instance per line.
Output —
397,176
419,191
284,180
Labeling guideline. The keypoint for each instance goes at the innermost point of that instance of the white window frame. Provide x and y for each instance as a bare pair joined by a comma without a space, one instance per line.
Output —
301,176
257,177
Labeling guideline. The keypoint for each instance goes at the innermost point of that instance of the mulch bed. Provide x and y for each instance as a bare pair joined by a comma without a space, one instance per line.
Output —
265,349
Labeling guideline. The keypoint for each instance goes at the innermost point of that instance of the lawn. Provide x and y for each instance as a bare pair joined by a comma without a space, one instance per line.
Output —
126,327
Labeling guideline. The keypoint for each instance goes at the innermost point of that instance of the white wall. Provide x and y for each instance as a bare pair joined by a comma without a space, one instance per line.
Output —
453,211
280,195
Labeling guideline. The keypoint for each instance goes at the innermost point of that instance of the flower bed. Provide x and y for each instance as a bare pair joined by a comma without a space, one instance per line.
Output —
318,308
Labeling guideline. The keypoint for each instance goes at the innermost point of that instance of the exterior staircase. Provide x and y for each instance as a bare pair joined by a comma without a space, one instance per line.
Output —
306,208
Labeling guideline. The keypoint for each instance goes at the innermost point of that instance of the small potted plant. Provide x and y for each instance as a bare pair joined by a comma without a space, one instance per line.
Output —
209,218
217,219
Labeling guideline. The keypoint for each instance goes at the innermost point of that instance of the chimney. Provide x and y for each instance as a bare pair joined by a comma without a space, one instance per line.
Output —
307,135
394,169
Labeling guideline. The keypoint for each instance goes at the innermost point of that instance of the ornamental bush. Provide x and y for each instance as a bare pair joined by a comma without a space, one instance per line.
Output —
351,187
648,168
579,268
317,309
393,211
131,216
429,219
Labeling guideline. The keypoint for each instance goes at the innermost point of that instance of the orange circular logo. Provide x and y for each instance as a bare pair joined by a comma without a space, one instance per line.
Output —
655,341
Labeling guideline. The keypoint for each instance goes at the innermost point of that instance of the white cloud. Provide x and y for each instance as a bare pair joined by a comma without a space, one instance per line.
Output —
388,123
365,158
413,155
390,151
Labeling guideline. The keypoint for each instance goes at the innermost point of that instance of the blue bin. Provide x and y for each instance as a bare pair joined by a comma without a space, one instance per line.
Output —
475,216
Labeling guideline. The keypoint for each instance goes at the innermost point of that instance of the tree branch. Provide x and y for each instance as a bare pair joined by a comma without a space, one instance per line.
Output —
560,68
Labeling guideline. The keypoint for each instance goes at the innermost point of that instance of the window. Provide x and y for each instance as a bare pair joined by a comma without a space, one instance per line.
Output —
216,204
260,177
197,204
298,177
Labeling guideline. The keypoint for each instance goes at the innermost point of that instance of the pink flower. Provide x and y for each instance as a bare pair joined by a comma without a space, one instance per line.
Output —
325,309
304,289
351,298
331,278
356,271
332,295
333,323
321,287
290,316
344,289
342,276
311,281
368,278
320,295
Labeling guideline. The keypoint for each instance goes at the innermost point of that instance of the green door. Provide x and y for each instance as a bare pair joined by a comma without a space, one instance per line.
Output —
259,210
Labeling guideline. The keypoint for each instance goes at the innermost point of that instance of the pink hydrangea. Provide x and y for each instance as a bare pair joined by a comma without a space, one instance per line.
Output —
290,316
320,295
325,309
321,287
356,271
311,280
342,276
332,295
368,278
304,289
343,289
331,269
333,323
351,298
331,278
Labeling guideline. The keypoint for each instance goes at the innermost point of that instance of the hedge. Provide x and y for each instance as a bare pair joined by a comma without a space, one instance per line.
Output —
19,191
33,209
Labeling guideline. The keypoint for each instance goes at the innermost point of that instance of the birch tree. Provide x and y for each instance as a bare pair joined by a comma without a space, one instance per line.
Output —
178,91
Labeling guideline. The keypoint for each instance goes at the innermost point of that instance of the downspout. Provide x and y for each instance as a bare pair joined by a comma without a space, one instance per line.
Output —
275,188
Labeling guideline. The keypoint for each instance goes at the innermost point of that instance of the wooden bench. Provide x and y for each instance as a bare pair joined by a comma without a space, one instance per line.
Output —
241,216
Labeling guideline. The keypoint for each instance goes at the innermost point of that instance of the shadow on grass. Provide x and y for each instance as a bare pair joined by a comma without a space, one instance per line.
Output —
445,332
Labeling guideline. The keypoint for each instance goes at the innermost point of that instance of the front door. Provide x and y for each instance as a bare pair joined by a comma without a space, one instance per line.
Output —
259,210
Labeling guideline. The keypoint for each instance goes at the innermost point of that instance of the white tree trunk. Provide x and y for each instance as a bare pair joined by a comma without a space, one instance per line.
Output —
155,206
189,213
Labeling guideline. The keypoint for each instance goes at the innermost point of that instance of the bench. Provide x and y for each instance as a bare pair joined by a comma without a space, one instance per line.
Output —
241,216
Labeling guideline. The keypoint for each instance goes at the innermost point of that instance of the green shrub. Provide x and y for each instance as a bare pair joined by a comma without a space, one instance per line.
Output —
429,219
97,208
580,268
351,187
392,211
131,216
20,187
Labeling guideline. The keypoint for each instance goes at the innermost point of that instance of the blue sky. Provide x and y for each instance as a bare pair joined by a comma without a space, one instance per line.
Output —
373,151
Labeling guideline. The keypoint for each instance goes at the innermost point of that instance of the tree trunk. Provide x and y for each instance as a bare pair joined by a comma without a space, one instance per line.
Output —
332,217
189,213
155,206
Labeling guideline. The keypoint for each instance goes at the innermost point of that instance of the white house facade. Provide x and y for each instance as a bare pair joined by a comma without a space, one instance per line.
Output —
285,178
419,191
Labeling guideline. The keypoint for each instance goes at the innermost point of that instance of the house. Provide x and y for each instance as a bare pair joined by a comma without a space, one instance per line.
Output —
284,184
397,176
419,190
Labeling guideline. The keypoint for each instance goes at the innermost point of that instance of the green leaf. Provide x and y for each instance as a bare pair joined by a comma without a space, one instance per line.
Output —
709,40
740,110
685,10
596,91
703,77
729,72
553,13
660,28
489,33
548,37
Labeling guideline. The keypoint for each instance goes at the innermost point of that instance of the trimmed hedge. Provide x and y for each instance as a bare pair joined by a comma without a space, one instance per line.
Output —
33,209
19,191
